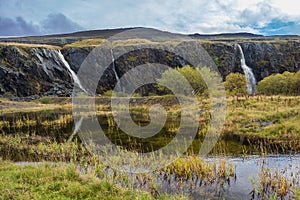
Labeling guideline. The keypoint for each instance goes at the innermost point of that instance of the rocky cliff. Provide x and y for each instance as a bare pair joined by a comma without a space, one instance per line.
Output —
29,71
264,58
26,71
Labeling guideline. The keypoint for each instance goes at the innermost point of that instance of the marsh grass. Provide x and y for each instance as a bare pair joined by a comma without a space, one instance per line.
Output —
195,168
60,181
275,184
274,117
22,148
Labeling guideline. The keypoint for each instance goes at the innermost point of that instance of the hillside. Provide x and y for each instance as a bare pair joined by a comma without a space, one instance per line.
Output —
63,39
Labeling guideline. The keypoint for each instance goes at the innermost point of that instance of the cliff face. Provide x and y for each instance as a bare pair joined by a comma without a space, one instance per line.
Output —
32,71
41,71
268,58
263,58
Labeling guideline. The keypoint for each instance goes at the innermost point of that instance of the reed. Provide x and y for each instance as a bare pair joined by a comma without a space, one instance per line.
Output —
275,184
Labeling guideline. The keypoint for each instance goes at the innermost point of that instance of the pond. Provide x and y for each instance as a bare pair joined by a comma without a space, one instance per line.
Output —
247,158
58,125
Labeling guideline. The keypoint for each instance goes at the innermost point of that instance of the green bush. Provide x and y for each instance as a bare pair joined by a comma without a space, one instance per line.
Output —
45,100
287,83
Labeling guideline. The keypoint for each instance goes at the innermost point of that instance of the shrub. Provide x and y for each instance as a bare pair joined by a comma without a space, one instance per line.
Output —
236,85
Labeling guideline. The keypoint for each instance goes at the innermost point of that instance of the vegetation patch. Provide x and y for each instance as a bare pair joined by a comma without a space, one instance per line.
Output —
85,43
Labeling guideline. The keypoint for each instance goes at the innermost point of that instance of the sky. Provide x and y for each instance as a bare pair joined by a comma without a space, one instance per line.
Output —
40,17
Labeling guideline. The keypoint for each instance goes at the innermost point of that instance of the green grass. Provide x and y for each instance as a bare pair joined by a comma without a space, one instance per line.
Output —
58,181
45,100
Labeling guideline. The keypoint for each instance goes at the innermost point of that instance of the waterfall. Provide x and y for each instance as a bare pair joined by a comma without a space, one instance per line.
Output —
114,67
73,74
251,81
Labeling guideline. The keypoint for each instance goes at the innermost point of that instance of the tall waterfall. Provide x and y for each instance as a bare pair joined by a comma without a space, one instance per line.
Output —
73,74
251,81
114,67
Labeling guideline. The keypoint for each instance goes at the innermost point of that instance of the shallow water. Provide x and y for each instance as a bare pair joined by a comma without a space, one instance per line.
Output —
247,168
59,126
42,123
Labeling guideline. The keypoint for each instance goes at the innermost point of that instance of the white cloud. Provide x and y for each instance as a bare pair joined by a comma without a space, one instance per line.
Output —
185,16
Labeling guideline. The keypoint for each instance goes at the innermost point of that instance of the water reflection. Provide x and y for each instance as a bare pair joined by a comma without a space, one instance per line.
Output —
58,126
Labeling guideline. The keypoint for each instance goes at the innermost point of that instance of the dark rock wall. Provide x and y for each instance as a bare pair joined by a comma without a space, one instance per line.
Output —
38,71
263,58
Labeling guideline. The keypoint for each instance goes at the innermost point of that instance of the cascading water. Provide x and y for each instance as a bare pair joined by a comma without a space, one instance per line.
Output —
114,67
251,81
113,63
73,74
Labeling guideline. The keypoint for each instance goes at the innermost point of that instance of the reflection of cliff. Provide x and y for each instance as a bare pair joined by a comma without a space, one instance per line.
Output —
26,71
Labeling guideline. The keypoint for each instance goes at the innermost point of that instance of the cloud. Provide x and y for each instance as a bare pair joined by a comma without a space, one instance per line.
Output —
216,16
54,23
258,16
59,23
17,27
202,16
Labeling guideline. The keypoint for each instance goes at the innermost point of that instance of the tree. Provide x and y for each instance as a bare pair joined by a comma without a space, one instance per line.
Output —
194,76
296,83
186,73
236,85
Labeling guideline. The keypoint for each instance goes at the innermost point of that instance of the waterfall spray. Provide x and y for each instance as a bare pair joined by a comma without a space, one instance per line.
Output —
251,81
